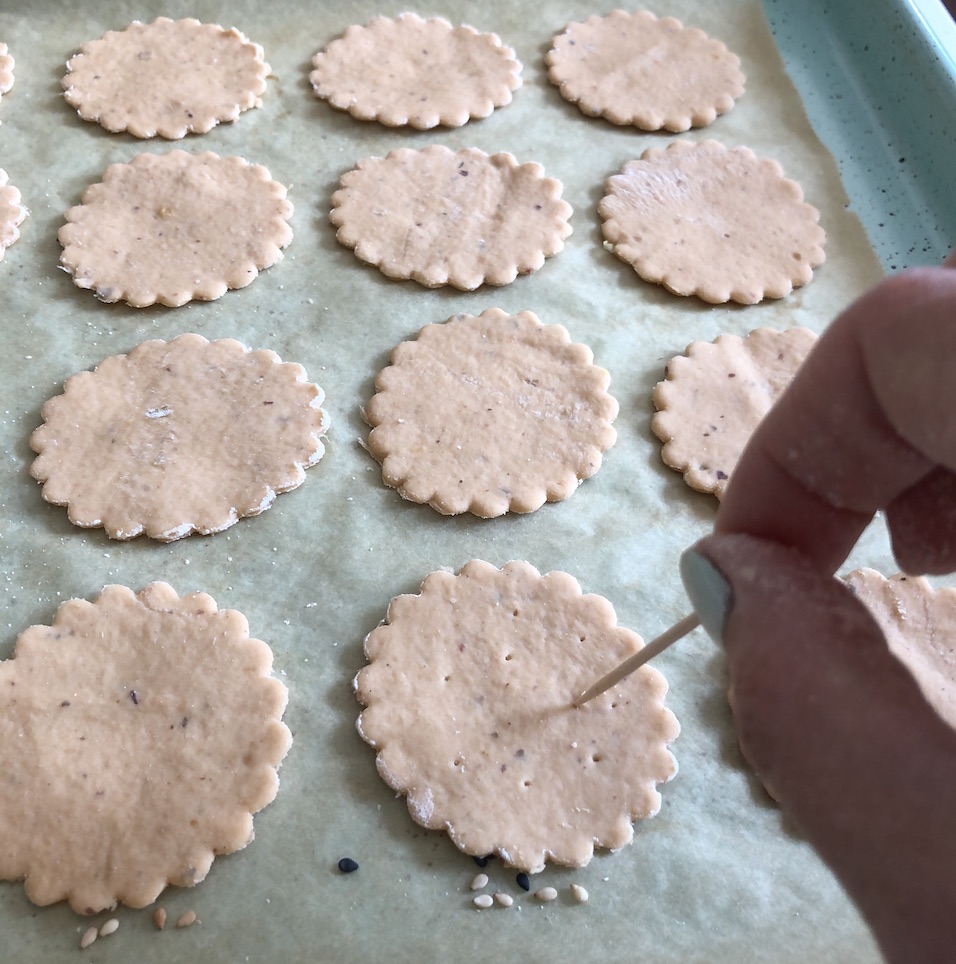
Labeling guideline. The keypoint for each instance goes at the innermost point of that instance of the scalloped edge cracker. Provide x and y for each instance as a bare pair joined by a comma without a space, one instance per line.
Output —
525,415
715,395
168,78
413,72
178,437
155,730
468,703
716,222
12,213
442,217
635,69
174,227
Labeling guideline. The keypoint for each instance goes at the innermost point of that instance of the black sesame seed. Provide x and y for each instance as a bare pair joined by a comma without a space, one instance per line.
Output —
523,881
482,861
347,865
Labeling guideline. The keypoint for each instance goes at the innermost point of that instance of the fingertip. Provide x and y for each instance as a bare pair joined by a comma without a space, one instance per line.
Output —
922,524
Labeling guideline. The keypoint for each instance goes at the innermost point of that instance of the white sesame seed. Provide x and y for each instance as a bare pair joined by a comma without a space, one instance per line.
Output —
159,918
483,901
187,919
109,927
546,894
505,900
579,893
89,935
481,880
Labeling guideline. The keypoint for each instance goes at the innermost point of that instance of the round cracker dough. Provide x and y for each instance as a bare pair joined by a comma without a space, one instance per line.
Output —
415,72
525,415
468,702
172,227
6,69
440,217
168,77
715,395
919,623
178,437
12,213
716,222
138,736
636,69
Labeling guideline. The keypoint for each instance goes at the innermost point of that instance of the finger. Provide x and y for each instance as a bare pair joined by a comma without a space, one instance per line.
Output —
843,442
838,729
908,352
922,524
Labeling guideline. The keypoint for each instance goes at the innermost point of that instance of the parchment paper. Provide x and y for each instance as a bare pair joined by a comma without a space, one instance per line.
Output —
718,875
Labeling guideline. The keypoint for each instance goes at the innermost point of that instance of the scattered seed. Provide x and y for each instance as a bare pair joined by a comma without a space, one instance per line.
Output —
483,901
109,927
347,865
505,900
89,935
481,880
187,920
159,918
482,861
523,881
545,895
579,893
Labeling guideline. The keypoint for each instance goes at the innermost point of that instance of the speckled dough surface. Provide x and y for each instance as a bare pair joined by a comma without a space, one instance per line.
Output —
461,218
715,395
717,222
178,437
416,72
168,77
172,227
633,68
12,213
139,735
524,415
6,69
919,623
467,699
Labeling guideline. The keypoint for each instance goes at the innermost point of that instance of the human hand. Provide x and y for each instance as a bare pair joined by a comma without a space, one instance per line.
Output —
833,724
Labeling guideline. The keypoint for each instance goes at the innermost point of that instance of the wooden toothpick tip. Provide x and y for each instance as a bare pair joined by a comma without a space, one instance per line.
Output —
655,646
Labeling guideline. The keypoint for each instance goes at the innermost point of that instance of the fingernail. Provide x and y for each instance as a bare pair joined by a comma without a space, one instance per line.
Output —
709,592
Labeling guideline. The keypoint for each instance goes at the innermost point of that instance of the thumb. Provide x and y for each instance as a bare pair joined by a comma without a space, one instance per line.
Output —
839,732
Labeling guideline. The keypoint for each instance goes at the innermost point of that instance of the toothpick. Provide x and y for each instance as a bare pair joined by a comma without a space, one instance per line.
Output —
655,646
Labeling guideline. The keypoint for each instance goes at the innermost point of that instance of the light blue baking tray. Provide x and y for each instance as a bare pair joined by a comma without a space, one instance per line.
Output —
878,79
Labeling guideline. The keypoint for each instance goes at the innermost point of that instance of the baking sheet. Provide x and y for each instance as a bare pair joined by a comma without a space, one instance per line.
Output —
718,875
878,80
